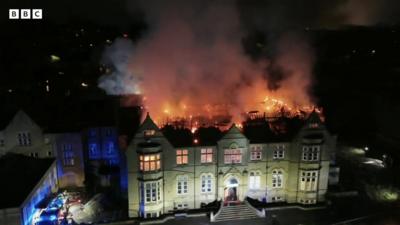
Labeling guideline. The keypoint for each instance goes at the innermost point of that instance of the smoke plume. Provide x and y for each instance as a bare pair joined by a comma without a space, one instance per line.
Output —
192,62
122,80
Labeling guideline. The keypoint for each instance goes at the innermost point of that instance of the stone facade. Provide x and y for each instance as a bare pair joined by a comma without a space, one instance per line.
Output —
68,150
162,178
24,136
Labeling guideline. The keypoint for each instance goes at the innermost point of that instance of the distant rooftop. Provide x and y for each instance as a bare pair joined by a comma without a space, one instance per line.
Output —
19,175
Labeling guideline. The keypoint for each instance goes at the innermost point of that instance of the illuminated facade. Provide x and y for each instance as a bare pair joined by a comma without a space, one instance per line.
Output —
162,178
102,150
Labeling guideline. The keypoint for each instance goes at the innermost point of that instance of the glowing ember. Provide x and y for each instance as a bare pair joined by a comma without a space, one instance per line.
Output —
220,115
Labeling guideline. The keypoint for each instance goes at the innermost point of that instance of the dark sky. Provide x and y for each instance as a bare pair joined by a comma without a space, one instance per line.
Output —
271,13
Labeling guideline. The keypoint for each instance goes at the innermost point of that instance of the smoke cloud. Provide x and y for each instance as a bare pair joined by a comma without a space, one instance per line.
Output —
122,80
192,63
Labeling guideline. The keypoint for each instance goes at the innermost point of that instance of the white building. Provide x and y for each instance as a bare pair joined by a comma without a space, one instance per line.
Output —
163,178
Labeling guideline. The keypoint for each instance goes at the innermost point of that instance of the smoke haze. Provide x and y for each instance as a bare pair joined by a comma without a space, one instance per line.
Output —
192,60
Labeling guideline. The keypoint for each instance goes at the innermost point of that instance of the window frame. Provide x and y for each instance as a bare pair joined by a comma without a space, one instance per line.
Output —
206,183
206,155
68,155
182,156
277,178
24,138
233,156
150,162
309,180
182,185
279,152
254,180
256,153
311,153
152,193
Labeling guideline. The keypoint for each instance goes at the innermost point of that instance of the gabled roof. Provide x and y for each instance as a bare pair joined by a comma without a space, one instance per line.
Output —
314,118
23,117
233,133
148,124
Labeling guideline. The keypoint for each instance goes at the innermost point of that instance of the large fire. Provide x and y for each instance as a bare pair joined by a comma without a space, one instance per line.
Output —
191,116
194,73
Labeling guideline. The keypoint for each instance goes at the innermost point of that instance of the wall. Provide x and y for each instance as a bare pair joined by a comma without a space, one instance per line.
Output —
10,216
68,175
290,165
21,122
48,184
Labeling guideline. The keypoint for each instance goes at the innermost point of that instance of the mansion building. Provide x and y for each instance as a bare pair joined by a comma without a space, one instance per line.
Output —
163,178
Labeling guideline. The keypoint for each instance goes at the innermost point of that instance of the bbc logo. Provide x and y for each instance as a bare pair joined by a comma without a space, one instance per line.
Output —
15,14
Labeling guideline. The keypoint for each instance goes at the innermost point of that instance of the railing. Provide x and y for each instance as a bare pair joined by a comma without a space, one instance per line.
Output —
212,216
256,211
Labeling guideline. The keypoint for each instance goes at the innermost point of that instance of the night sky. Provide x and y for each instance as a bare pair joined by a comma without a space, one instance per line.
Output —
352,48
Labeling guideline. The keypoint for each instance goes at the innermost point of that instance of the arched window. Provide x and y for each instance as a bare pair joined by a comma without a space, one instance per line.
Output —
234,145
182,184
206,183
277,178
254,180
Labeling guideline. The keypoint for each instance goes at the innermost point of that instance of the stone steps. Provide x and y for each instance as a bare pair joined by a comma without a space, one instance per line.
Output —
236,212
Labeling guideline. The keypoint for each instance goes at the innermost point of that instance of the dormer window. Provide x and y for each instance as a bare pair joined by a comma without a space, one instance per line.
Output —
149,133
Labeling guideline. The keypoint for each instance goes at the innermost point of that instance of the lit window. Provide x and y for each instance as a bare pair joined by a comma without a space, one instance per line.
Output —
182,185
149,162
206,183
279,152
277,178
313,125
206,155
149,133
256,153
24,139
182,156
308,180
311,153
232,156
68,155
152,192
254,180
